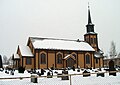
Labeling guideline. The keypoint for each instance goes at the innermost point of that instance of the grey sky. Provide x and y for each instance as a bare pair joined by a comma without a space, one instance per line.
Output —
20,19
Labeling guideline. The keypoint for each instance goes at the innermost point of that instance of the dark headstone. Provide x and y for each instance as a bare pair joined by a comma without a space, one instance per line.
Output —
59,75
65,77
42,71
7,72
56,72
49,75
34,71
68,68
73,68
112,70
1,64
78,70
38,73
34,78
100,74
29,71
99,69
21,69
86,73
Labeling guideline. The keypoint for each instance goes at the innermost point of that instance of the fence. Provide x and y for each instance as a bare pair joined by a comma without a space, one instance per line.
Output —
74,79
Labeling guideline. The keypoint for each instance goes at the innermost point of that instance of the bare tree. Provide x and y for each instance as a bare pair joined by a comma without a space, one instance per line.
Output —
119,55
113,52
106,56
5,59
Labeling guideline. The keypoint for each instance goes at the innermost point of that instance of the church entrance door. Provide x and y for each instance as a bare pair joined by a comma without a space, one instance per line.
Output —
70,62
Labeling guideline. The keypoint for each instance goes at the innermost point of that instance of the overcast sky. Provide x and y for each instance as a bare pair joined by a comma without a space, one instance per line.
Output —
20,19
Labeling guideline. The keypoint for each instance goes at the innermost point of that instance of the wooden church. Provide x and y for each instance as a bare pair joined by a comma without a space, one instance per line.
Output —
60,53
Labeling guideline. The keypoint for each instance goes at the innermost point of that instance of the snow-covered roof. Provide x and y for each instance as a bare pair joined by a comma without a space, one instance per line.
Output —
16,56
60,44
98,55
25,51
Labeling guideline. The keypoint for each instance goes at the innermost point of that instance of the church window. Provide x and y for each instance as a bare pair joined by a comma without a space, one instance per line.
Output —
43,58
28,61
87,58
59,59
91,40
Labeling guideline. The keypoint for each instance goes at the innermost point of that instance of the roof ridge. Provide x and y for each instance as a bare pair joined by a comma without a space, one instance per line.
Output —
42,38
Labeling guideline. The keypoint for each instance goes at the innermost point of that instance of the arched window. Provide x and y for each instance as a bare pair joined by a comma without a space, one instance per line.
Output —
43,58
87,58
59,59
28,61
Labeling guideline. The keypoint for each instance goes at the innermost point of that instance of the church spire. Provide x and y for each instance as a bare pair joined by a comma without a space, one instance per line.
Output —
89,17
90,26
91,36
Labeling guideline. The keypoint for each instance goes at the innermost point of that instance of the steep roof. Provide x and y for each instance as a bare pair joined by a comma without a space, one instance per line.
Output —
25,51
16,56
60,44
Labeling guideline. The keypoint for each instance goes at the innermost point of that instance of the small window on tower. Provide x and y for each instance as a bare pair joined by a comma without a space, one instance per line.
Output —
95,40
91,40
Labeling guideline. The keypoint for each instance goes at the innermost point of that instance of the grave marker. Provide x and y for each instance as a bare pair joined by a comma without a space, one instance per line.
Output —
112,68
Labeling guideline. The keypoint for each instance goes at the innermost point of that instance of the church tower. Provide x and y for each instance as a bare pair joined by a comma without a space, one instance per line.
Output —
90,36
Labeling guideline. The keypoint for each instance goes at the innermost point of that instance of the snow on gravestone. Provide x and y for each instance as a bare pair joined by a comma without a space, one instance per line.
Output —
64,72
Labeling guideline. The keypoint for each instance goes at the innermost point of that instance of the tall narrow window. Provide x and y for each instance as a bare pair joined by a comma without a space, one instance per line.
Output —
87,58
28,61
43,58
59,59
92,41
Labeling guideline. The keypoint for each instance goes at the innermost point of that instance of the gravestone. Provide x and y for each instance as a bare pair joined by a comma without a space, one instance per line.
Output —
21,69
73,68
11,72
34,78
86,73
49,75
59,75
1,64
42,71
112,68
78,70
38,73
65,76
100,74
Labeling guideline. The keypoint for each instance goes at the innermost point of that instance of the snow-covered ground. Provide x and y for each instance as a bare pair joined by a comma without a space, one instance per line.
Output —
75,80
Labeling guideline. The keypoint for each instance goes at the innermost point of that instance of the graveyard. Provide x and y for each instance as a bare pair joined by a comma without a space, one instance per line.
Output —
68,76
